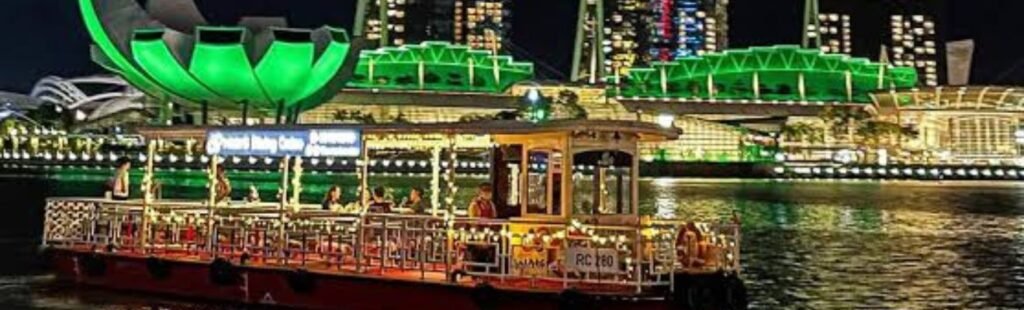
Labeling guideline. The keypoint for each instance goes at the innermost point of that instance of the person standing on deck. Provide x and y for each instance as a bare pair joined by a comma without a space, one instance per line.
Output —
223,186
482,206
119,185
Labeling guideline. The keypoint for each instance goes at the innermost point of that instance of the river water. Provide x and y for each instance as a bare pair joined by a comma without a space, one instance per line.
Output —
806,245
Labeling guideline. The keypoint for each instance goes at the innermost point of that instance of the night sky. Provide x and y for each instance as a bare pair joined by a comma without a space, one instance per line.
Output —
45,37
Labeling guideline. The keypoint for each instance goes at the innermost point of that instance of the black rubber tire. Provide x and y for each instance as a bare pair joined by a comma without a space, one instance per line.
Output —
158,268
301,281
484,295
573,299
223,273
92,265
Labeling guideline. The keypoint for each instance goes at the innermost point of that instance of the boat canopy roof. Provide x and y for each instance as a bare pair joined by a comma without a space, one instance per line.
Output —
646,132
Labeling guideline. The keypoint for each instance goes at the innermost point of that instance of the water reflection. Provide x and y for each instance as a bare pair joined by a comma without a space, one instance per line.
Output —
856,245
805,245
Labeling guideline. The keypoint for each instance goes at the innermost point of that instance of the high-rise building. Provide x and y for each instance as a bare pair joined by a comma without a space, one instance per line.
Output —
686,28
394,22
614,35
835,33
482,24
913,44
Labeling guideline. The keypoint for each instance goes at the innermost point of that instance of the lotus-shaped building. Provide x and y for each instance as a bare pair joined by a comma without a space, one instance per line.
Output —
169,51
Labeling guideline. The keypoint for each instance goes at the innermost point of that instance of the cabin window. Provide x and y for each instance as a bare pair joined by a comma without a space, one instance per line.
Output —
505,175
543,182
602,182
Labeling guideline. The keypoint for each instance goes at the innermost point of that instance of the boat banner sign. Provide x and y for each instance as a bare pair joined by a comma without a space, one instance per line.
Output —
310,143
592,260
529,262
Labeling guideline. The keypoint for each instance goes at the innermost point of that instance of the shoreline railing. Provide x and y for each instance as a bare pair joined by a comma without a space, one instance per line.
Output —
636,258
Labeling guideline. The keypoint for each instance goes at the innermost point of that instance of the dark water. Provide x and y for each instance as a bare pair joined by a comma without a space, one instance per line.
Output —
805,246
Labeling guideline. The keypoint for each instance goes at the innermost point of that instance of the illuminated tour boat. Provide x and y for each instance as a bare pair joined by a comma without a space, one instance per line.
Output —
569,234
514,211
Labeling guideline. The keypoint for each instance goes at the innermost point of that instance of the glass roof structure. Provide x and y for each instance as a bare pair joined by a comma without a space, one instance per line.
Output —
785,73
438,66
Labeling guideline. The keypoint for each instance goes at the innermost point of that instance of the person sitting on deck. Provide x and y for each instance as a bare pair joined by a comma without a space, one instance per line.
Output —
222,186
415,201
482,206
379,204
119,184
332,199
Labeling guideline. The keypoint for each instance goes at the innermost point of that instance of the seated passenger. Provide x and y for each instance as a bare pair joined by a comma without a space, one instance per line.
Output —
379,204
482,206
415,201
332,199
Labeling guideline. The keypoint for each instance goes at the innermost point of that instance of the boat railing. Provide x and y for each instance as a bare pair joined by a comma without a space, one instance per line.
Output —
541,255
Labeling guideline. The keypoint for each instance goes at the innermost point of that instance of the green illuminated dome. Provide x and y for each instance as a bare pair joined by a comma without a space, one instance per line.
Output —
264,65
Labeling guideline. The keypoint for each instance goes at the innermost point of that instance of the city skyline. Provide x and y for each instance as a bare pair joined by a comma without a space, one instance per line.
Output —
531,33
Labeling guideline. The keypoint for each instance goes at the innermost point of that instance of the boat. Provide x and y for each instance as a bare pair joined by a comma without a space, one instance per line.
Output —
569,235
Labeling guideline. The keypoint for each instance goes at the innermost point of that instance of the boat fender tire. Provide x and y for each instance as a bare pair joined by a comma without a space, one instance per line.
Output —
694,292
573,299
456,275
223,273
301,281
158,269
484,295
93,265
46,253
735,293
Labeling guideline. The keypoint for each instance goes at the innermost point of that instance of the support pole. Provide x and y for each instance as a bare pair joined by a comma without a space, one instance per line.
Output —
206,113
756,85
166,110
282,205
245,112
211,200
450,176
363,164
280,112
811,21
435,179
147,196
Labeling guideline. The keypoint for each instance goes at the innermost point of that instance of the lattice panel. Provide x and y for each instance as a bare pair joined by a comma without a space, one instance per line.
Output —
68,220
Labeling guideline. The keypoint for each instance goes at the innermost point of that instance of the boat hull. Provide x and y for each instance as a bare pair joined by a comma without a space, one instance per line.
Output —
311,290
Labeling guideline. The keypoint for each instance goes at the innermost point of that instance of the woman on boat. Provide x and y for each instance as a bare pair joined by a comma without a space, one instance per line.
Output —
482,206
379,204
223,186
119,185
332,200
415,201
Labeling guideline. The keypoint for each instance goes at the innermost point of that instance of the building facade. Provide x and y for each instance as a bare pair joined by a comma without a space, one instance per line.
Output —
613,36
835,31
914,44
481,24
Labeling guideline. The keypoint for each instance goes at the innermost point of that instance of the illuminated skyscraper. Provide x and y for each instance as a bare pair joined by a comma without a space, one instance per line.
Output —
394,22
614,35
834,32
482,24
913,44
686,28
